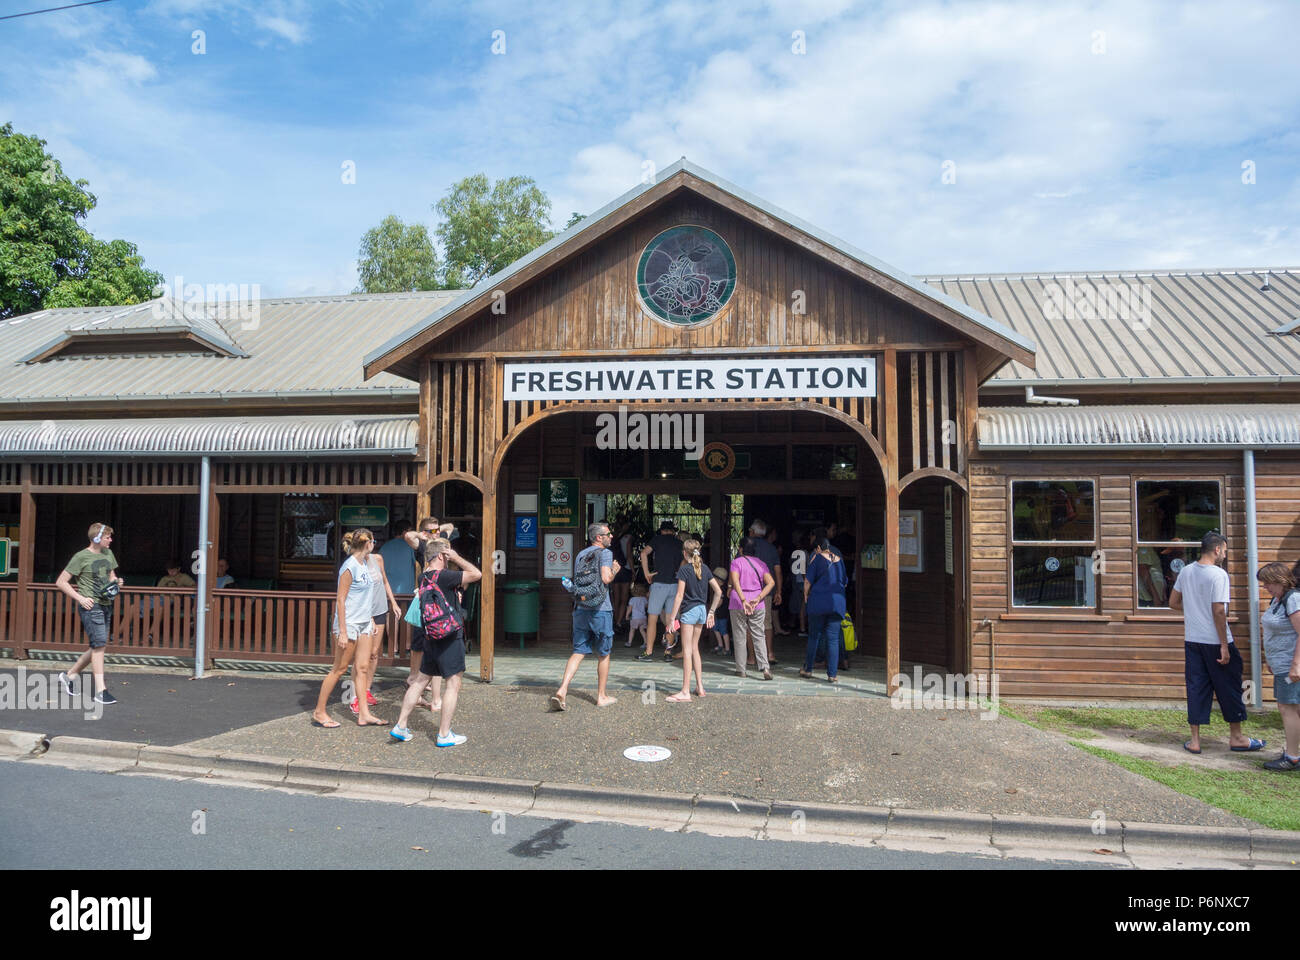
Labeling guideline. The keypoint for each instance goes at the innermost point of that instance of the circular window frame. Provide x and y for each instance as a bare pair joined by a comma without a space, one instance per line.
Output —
652,312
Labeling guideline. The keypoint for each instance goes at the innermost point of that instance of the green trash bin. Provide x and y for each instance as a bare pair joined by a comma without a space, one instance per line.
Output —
523,600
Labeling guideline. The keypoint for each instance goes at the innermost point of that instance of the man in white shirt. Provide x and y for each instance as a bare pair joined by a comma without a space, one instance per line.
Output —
1213,665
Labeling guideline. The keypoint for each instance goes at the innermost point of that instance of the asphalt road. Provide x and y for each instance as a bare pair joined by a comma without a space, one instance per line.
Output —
57,818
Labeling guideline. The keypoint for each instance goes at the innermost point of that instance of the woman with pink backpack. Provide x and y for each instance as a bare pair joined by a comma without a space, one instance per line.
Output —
440,638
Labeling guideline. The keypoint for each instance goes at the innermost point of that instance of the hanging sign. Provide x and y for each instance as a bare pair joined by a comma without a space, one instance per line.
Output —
363,516
687,379
559,503
4,558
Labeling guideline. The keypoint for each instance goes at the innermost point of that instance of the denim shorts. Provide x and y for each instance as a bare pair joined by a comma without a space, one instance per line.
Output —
98,624
695,615
591,625
1284,690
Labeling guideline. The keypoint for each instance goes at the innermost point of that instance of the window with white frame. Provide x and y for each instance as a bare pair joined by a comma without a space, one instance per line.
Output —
1172,516
1053,540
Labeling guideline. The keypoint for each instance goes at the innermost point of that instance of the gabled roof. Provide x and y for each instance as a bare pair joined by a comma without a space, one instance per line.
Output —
306,349
397,354
166,327
1204,327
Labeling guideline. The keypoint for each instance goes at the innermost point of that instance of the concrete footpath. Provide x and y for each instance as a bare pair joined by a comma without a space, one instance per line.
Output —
843,767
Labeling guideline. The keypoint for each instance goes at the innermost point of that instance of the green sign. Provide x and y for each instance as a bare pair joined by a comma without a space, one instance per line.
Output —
359,516
4,557
558,503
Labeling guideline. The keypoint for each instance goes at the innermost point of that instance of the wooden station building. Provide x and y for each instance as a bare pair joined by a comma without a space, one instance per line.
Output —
993,529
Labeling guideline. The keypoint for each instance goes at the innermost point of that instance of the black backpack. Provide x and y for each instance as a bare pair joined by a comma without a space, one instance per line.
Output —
589,589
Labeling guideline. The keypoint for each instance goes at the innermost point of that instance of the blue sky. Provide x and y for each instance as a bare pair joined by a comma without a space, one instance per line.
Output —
1082,136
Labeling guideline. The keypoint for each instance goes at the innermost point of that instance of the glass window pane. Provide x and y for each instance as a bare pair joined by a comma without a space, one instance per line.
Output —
1052,510
1053,577
307,525
1177,509
600,464
1157,570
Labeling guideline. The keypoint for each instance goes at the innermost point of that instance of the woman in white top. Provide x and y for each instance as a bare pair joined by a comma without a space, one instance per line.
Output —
382,602
1280,625
354,629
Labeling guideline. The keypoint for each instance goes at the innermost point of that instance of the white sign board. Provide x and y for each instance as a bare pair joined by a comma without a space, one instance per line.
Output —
689,379
557,557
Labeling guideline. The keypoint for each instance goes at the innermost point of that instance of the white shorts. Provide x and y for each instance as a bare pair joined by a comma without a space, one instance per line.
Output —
359,628
662,596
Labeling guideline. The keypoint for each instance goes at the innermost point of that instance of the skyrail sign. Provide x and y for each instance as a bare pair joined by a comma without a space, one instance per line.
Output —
688,379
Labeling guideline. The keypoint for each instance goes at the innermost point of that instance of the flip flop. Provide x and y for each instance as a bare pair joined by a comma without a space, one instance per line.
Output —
1254,745
1189,749
558,704
328,726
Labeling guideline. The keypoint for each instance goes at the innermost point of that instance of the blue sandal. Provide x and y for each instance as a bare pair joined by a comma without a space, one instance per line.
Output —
1254,745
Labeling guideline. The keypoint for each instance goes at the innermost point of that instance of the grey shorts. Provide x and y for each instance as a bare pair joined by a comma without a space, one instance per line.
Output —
661,598
98,624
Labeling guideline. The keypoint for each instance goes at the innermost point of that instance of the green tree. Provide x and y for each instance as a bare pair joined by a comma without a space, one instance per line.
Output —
396,257
576,218
47,257
487,226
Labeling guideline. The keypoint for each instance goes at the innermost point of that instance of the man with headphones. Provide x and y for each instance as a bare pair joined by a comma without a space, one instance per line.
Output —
95,569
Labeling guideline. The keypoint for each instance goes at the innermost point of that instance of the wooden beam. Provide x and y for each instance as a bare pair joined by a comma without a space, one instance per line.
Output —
945,412
929,409
889,414
20,622
968,396
915,405
487,624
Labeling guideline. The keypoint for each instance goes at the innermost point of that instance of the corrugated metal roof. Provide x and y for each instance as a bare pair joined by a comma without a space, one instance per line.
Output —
591,223
1176,326
295,346
1176,426
215,436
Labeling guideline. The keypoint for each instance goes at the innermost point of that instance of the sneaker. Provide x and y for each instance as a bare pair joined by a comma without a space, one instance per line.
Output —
645,656
105,697
400,733
66,683
453,740
354,706
370,699
1283,763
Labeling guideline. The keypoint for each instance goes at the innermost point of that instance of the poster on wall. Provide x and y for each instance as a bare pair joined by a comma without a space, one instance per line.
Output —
947,530
559,503
557,561
909,541
526,532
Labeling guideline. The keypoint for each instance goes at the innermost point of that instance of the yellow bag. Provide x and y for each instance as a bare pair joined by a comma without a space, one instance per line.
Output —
850,638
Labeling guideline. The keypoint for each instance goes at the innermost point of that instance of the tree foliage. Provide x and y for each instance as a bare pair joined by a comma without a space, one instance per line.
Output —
487,226
47,257
396,257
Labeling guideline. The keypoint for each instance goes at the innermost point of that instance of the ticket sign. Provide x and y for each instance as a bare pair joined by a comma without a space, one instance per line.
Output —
557,558
558,502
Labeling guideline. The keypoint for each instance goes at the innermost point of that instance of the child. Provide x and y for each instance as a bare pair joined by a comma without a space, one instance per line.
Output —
722,625
636,611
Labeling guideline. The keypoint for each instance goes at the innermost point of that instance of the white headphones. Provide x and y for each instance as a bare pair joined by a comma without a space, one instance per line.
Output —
99,536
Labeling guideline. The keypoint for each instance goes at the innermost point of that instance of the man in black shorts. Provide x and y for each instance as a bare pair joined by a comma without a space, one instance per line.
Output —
95,570
443,657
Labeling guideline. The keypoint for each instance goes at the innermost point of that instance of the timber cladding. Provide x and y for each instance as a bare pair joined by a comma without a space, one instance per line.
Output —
1116,648
784,298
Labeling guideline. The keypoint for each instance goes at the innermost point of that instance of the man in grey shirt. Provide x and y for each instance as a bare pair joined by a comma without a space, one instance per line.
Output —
1213,665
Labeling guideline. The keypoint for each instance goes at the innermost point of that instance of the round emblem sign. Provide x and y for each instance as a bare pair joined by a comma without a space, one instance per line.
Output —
717,460
1052,564
686,275
647,754
1176,564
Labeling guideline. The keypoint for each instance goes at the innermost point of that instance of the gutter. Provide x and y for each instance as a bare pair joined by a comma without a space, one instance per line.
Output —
393,453
394,393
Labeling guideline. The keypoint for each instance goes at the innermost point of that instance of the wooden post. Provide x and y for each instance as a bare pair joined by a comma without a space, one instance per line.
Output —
488,438
889,412
213,554
20,617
